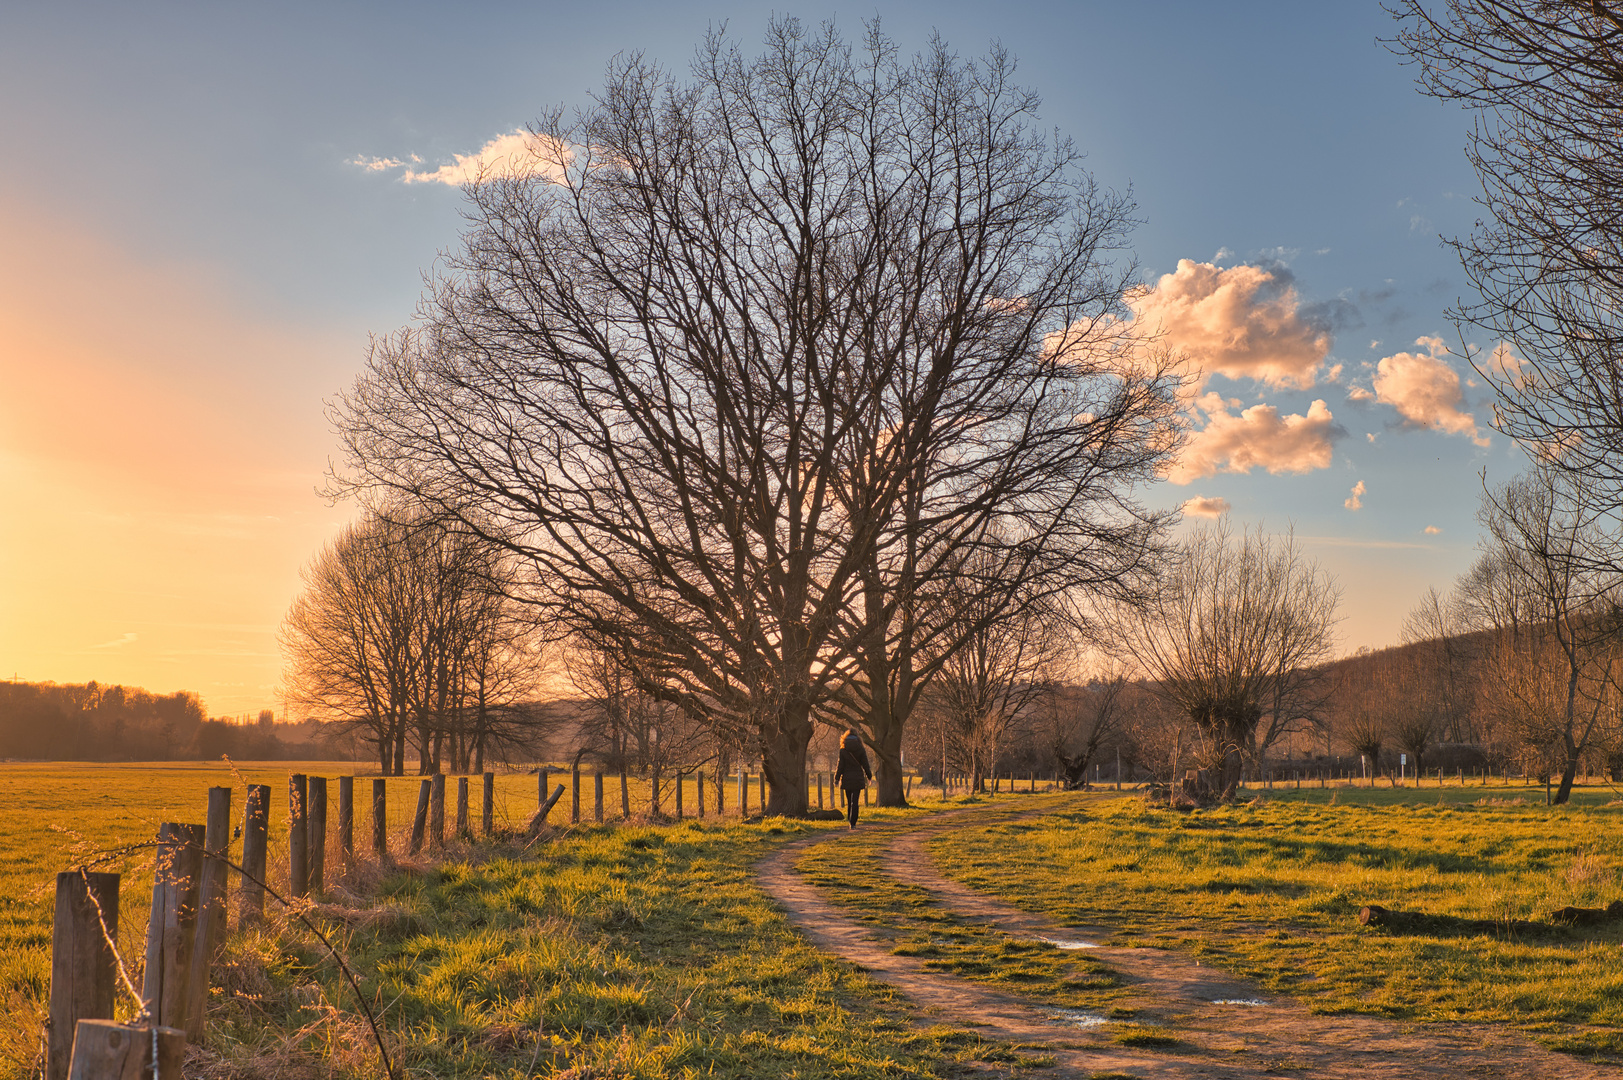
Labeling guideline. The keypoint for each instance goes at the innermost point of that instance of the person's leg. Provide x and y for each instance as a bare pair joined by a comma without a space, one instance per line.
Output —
853,799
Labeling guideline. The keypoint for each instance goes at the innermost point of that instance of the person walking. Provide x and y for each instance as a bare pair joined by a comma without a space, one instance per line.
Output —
854,772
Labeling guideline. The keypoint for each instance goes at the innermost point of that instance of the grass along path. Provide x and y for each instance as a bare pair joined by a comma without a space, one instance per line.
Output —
1173,1001
1269,892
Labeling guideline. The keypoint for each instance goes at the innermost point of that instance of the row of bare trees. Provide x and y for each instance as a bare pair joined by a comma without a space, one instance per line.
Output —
406,633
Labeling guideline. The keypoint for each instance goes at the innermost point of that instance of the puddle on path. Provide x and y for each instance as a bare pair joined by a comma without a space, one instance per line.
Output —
1078,1018
1068,943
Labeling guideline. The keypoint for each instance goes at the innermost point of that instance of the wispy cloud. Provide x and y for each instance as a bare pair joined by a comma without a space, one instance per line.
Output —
517,153
1432,530
117,643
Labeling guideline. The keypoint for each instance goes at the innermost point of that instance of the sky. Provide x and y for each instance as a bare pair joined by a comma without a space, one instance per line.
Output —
208,209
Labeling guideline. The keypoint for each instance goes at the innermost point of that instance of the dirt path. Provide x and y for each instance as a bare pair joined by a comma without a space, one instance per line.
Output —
1267,1037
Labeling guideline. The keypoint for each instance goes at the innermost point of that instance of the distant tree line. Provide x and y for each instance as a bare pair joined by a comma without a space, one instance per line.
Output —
94,722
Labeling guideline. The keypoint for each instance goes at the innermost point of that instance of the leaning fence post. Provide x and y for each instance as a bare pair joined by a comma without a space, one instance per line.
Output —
84,972
462,807
487,809
419,821
298,866
316,835
380,817
346,818
172,927
255,823
104,1048
436,812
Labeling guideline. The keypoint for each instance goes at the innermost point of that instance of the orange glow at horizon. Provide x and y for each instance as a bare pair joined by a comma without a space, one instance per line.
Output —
159,450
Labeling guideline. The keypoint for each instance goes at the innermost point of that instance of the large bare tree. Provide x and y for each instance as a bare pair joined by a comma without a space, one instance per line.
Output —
721,347
1235,638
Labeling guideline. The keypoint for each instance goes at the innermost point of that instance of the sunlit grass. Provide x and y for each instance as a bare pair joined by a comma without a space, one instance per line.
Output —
1270,890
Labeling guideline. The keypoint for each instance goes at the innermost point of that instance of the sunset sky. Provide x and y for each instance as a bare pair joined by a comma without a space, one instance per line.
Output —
207,209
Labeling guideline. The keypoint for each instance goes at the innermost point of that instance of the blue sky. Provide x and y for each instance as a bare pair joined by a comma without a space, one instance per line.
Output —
191,261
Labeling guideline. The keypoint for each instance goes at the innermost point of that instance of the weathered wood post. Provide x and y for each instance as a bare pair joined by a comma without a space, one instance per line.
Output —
172,927
436,812
597,795
698,793
743,794
462,829
316,834
255,830
678,796
105,1050
380,817
625,796
819,791
419,821
721,792
487,808
543,786
760,788
298,865
211,903
346,819
574,793
84,973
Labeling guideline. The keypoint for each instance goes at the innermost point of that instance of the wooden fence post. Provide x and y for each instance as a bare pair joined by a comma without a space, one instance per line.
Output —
625,796
760,787
819,791
653,794
105,1050
171,930
380,817
597,788
678,796
316,834
487,808
255,828
346,819
436,812
298,866
743,794
543,786
574,793
462,829
210,904
698,792
84,972
419,821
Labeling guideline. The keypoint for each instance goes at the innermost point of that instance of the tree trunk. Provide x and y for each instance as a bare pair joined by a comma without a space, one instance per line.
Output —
783,759
889,781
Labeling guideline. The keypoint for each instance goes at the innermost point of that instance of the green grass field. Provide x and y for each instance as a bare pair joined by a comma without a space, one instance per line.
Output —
1271,889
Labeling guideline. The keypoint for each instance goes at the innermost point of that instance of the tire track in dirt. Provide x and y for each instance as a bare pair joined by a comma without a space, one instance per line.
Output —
1221,1041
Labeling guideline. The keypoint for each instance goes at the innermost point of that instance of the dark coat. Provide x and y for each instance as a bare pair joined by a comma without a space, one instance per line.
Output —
854,771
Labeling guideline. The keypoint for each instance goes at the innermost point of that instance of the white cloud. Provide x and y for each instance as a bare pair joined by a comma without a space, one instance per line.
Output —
517,153
1426,391
1259,436
1355,501
1242,322
1358,393
1202,506
1432,530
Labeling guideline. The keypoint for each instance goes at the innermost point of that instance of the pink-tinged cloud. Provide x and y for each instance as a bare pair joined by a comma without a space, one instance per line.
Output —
1202,506
1432,530
518,153
1426,391
1257,437
1355,501
1242,322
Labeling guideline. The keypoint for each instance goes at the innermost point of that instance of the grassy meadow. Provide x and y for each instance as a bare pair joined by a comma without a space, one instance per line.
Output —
1270,889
